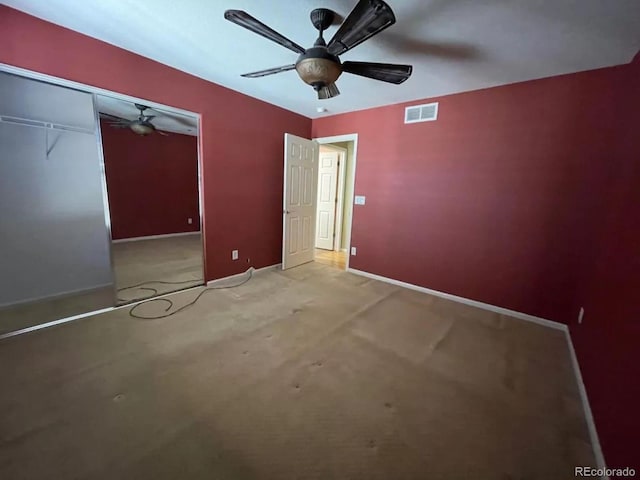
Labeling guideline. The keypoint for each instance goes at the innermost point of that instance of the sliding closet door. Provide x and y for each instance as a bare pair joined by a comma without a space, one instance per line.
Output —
54,241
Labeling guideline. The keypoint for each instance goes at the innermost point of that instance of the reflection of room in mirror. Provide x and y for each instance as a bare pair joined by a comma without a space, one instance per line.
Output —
151,170
86,225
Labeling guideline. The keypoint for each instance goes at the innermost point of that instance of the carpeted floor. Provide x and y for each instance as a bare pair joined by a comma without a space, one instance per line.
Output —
157,260
151,262
312,373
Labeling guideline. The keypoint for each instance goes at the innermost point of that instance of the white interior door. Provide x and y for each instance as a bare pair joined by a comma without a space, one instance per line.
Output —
300,200
327,199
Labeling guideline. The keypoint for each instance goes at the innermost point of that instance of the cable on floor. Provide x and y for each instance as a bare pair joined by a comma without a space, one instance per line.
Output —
154,291
191,303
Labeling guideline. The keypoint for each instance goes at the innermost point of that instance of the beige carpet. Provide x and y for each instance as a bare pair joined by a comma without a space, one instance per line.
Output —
312,373
172,259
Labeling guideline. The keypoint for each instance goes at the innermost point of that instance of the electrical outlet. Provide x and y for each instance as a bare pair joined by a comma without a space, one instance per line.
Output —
581,314
190,220
353,251
234,254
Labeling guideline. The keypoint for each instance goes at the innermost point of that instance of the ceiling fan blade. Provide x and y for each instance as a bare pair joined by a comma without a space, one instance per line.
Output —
119,125
164,134
269,71
256,26
148,117
181,119
329,91
386,72
368,18
108,116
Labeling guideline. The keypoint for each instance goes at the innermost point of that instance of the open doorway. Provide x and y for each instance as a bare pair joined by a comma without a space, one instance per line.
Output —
336,172
300,201
329,208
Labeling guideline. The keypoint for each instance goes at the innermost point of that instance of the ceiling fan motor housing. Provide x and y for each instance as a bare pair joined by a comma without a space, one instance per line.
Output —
142,128
318,67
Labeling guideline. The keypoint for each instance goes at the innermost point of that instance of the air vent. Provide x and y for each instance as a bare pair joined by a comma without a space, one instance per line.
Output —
421,113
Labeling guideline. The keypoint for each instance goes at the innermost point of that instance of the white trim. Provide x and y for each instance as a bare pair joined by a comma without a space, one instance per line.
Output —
89,314
63,82
237,276
57,296
466,301
128,305
593,434
351,137
155,237
591,425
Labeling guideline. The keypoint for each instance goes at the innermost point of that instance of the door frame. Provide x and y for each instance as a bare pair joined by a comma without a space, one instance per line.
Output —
62,82
337,227
350,137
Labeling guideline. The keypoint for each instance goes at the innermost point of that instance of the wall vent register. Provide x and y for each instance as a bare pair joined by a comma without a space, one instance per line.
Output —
421,113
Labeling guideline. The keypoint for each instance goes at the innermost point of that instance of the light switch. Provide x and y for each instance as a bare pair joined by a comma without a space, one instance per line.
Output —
360,199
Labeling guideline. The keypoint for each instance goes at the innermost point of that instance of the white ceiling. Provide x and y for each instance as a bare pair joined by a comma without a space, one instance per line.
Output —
164,120
454,45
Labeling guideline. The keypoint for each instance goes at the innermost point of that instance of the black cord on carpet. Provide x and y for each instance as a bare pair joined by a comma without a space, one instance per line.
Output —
154,291
170,303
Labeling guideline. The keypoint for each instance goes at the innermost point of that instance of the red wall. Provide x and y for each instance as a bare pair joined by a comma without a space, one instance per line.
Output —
523,196
608,341
487,202
152,182
241,137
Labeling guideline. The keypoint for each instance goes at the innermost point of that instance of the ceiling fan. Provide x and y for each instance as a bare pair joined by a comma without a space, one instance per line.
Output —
320,65
140,126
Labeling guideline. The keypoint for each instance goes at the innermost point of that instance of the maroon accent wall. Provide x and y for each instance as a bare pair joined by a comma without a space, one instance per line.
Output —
241,138
487,202
152,182
523,196
608,341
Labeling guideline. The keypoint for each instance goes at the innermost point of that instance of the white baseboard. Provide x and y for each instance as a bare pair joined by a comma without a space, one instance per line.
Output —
593,434
238,276
53,323
154,237
591,425
80,316
466,301
58,295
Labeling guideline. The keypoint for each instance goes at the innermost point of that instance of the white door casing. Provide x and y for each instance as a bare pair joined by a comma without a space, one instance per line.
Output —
327,199
300,200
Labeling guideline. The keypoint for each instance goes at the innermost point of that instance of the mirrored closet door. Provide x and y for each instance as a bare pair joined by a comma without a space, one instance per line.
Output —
55,258
99,202
151,166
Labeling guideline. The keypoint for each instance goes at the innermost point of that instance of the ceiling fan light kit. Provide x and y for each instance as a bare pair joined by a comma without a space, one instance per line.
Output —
141,126
320,65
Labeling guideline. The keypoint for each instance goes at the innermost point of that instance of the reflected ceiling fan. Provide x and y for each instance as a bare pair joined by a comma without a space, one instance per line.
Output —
140,126
320,65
